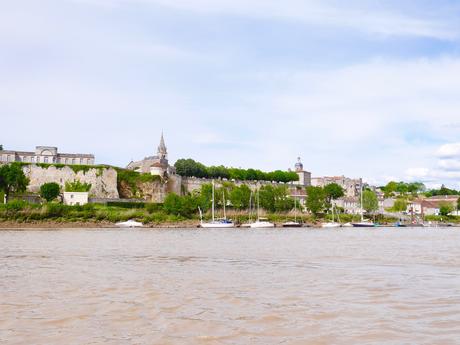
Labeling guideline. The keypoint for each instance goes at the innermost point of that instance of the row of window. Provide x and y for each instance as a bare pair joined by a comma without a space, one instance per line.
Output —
32,159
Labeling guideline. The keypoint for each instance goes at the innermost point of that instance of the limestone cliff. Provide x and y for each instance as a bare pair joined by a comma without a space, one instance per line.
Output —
103,180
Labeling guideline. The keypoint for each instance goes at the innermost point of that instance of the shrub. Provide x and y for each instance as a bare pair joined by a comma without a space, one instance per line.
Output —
153,207
77,186
56,210
15,206
126,204
49,191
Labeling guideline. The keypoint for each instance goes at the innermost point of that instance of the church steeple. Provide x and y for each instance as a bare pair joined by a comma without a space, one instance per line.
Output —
162,150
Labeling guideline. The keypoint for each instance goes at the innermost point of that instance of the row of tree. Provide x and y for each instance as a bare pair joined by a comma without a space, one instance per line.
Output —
191,168
270,198
403,188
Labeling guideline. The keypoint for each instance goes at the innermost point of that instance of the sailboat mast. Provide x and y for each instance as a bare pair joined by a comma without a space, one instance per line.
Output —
258,205
223,197
295,207
362,210
250,206
212,200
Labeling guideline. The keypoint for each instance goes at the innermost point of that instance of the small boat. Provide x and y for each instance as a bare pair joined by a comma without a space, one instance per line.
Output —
292,225
331,225
295,223
363,223
261,223
216,223
347,225
129,224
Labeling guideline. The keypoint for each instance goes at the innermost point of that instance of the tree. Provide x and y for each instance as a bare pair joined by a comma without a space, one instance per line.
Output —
316,199
400,205
458,204
239,197
445,208
12,179
333,191
177,205
370,201
172,204
49,191
390,188
1,147
267,198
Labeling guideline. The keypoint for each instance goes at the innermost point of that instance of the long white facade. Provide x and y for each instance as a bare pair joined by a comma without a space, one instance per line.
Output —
46,154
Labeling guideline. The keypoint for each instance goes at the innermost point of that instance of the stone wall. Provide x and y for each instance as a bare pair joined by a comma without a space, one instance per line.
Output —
103,180
189,184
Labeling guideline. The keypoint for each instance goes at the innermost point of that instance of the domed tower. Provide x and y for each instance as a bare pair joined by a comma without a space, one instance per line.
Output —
298,165
304,176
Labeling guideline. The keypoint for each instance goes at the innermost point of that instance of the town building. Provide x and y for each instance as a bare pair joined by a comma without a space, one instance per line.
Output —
75,198
350,186
432,205
46,154
155,165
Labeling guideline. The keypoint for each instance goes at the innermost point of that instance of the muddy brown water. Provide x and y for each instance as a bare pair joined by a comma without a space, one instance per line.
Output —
277,286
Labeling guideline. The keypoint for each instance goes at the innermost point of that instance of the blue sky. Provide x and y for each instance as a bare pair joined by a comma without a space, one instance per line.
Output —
359,88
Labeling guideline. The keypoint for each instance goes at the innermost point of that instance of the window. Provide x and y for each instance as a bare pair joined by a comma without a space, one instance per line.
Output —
46,160
73,160
32,159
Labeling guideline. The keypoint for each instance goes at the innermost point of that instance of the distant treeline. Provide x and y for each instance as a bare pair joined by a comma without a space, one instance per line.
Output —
415,188
191,168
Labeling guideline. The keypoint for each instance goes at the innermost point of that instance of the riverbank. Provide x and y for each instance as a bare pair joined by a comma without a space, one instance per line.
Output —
54,215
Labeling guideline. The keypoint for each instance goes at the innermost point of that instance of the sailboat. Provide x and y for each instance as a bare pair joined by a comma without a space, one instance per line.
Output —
248,224
363,223
295,223
261,222
332,224
216,223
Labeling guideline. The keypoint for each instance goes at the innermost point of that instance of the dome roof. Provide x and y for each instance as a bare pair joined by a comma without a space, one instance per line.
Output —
298,165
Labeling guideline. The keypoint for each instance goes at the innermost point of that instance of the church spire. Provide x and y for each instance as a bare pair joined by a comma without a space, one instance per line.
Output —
162,150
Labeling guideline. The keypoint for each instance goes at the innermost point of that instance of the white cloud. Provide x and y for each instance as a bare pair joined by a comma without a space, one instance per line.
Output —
447,169
451,150
360,15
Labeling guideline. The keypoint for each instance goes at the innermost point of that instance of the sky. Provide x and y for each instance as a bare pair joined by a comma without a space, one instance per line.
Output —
361,88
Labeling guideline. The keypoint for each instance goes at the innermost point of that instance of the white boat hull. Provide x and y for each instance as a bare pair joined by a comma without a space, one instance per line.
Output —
260,225
363,225
217,225
292,225
129,224
331,225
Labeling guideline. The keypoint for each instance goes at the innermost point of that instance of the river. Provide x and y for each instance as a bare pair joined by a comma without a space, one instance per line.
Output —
197,286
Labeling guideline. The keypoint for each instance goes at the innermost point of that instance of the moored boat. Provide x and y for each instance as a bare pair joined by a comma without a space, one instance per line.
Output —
262,223
216,223
129,224
331,225
292,225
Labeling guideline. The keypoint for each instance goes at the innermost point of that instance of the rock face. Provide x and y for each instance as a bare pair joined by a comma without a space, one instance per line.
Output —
103,180
154,191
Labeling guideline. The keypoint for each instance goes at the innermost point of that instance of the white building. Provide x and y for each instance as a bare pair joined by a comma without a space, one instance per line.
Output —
46,154
75,198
